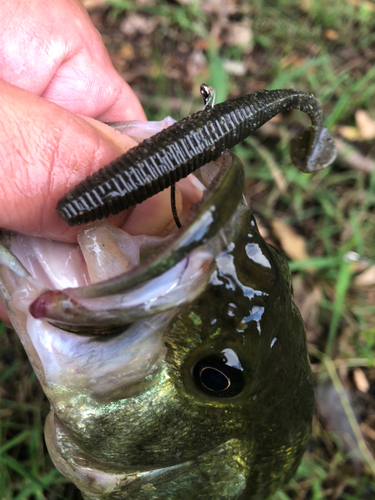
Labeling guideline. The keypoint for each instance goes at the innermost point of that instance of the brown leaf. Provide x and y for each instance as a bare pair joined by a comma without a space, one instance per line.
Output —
349,133
330,407
93,4
237,68
240,34
127,51
354,158
365,124
308,300
331,34
360,380
137,24
366,278
293,244
196,63
363,4
201,44
368,431
291,60
262,229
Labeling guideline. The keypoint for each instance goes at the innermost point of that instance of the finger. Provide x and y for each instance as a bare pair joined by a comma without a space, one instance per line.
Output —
45,151
52,49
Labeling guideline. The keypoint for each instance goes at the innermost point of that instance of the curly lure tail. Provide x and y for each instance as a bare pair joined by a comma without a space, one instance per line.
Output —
177,151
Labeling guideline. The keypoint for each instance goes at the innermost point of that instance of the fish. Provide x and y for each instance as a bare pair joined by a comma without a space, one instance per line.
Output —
176,366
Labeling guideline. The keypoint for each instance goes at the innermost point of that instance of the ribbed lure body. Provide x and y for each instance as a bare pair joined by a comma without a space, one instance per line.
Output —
177,151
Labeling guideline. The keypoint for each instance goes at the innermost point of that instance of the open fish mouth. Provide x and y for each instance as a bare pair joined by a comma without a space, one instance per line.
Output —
102,287
50,292
112,278
174,267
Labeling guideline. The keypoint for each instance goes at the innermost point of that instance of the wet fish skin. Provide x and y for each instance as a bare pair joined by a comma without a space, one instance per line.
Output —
172,438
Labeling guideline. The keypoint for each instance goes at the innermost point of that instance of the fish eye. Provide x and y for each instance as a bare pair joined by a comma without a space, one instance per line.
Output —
220,375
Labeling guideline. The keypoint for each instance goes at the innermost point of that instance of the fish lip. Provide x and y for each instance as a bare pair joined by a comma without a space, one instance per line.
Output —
180,284
208,216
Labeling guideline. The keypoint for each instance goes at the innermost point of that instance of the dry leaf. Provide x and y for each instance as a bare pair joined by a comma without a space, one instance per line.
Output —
367,278
331,34
291,60
262,229
349,133
330,407
364,131
223,9
127,51
136,24
360,380
201,44
196,63
293,244
354,158
5,413
364,4
239,34
308,306
237,68
368,431
365,124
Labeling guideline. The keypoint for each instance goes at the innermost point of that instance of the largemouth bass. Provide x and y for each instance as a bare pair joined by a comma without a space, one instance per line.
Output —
185,377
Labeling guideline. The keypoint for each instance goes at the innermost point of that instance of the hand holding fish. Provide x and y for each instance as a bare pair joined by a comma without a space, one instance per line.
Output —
54,67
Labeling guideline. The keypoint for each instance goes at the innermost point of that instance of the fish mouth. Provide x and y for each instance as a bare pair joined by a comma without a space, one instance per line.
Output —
129,309
106,306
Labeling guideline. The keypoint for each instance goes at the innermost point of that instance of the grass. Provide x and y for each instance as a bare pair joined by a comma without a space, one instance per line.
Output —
327,48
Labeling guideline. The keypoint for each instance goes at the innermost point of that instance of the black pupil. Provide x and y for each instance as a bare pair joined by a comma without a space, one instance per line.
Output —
220,375
213,379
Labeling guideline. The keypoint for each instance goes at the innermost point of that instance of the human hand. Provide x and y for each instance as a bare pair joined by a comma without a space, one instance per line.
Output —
54,68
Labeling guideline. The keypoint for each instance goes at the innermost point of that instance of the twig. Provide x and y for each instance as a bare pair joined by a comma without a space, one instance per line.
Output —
362,446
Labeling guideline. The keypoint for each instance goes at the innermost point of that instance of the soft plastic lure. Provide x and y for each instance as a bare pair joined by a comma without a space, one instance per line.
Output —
177,151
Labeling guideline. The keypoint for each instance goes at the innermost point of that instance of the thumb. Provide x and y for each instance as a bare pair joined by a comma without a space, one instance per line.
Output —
46,150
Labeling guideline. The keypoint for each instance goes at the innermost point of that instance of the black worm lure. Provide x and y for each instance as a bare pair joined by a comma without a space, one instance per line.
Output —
177,151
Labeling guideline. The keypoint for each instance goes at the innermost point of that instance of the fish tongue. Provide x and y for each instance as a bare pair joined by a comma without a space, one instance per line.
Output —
108,251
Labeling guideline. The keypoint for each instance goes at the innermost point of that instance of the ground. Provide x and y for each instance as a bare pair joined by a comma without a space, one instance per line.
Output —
324,223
